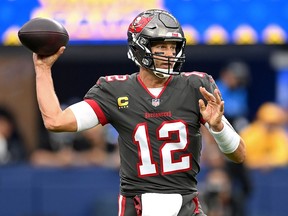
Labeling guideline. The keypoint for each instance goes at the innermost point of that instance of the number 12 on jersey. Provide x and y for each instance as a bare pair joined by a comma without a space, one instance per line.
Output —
168,163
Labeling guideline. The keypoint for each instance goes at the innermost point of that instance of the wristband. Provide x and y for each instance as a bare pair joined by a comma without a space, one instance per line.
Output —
227,139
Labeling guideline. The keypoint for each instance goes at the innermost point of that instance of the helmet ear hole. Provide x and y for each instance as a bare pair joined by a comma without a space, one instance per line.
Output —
147,62
143,41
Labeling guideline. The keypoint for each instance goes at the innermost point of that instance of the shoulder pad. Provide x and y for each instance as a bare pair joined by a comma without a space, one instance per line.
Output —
198,79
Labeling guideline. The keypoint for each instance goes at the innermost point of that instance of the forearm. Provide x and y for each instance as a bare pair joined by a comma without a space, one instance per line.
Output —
55,119
47,100
229,141
239,154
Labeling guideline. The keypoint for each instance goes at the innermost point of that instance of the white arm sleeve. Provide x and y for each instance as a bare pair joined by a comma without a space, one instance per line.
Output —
85,116
227,139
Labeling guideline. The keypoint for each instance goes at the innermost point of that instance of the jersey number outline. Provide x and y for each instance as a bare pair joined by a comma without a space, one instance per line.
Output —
168,162
113,78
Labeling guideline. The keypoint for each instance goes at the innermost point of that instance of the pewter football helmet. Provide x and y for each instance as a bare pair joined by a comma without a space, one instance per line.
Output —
152,26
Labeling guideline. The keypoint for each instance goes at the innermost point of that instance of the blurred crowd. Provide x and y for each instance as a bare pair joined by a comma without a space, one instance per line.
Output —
94,147
227,185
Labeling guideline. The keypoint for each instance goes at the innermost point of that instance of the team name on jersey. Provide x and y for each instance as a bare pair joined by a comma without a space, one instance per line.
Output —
158,114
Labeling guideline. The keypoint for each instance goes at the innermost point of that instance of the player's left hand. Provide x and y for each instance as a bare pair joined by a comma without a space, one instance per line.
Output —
212,112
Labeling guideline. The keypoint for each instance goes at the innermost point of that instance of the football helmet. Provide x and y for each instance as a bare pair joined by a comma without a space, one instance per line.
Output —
152,26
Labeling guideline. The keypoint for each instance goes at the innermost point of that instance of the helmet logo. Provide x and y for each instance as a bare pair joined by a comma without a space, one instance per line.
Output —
173,34
139,23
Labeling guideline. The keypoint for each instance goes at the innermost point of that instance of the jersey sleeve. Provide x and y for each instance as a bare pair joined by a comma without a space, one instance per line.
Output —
98,97
208,82
103,96
201,79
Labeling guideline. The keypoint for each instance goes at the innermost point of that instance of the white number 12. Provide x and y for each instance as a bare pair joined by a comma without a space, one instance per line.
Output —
147,166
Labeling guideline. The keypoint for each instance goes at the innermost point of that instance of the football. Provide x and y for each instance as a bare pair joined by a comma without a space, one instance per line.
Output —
43,36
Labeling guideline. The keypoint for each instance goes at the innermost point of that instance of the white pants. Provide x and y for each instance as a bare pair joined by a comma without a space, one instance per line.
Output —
154,204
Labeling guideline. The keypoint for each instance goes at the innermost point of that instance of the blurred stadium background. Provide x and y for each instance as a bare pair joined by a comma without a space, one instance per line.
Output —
218,31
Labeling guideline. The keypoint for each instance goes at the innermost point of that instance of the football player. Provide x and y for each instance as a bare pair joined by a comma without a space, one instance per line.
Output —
157,112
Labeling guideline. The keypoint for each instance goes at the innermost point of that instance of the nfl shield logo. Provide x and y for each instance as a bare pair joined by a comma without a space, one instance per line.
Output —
155,102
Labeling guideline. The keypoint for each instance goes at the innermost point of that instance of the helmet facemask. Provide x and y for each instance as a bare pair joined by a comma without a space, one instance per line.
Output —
157,25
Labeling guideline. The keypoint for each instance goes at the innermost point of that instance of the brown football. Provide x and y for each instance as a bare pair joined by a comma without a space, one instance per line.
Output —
43,36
